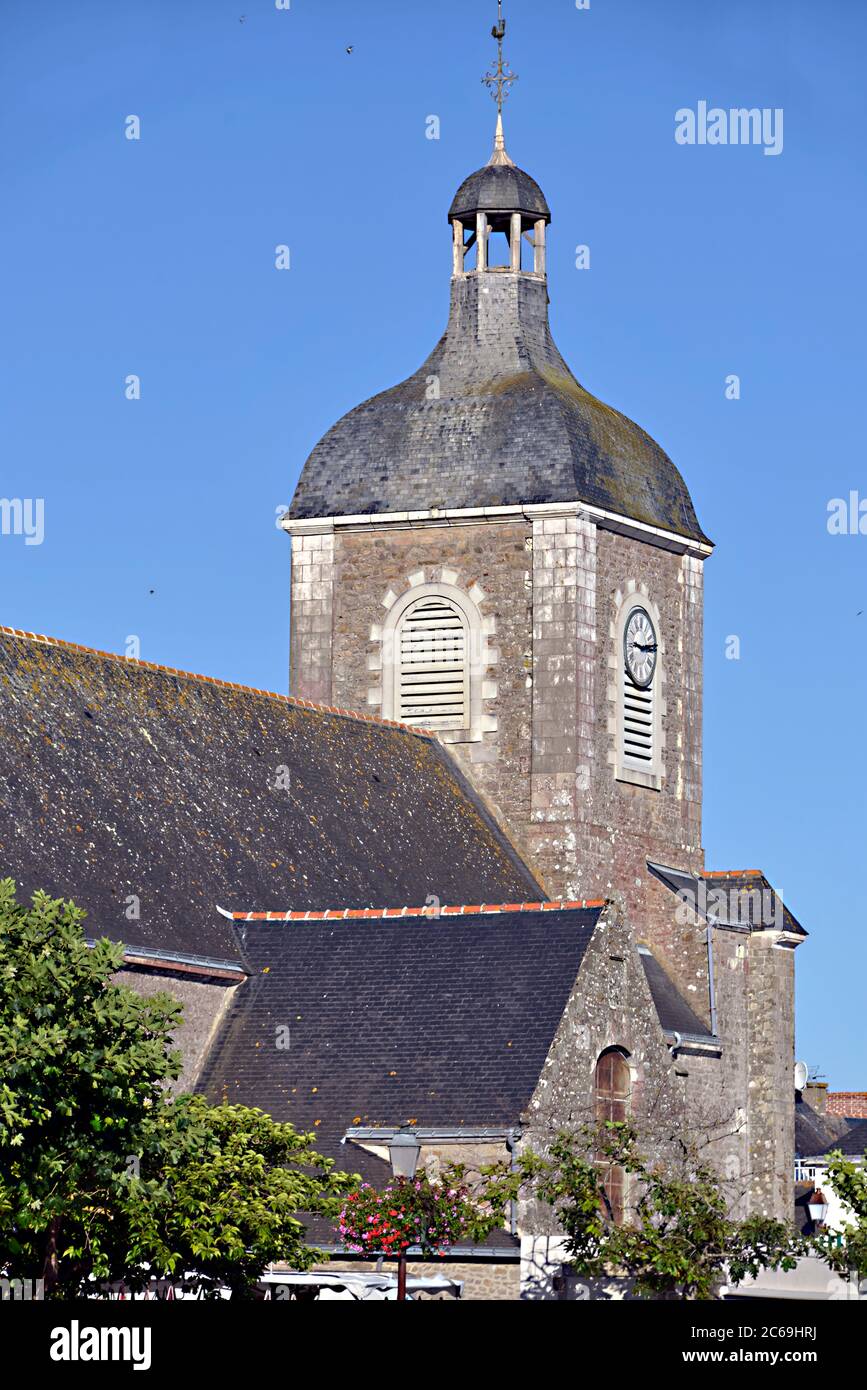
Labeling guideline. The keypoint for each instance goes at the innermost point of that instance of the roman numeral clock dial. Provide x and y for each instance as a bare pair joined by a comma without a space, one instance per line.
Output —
639,648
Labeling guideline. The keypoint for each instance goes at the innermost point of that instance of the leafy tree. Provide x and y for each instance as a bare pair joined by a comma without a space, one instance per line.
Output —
677,1241
83,1064
103,1175
223,1199
849,1181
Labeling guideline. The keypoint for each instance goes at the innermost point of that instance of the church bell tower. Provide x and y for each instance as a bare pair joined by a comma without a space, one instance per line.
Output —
489,551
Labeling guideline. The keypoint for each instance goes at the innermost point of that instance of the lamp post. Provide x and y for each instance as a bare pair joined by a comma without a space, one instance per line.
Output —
817,1206
403,1150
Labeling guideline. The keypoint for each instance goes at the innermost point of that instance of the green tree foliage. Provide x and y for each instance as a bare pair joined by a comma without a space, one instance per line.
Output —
224,1199
82,1069
103,1175
849,1181
677,1240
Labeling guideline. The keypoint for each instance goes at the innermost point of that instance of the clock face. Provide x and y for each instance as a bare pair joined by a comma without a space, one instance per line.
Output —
639,648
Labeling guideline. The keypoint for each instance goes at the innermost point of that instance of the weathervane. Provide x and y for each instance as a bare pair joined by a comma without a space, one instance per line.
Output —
500,79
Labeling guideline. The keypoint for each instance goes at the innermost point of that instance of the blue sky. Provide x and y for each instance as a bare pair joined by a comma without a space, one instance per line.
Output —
156,257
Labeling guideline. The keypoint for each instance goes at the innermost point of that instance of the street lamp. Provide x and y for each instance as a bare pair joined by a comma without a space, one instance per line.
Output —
817,1207
403,1150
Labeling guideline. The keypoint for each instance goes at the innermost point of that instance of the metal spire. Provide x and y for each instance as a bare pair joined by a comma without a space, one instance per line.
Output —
499,80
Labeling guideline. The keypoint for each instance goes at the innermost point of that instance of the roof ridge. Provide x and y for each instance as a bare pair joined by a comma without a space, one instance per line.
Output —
215,680
336,914
731,873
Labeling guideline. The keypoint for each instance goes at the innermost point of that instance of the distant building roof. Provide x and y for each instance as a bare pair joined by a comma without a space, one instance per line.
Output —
852,1104
126,780
812,1135
853,1143
442,1022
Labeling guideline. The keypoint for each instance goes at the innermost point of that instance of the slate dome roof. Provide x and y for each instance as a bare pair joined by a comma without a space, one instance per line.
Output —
500,188
493,417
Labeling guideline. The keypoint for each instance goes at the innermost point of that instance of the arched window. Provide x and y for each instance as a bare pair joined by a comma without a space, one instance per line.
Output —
612,1090
432,666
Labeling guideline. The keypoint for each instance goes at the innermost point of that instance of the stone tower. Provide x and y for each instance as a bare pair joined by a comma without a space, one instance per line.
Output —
468,549
489,551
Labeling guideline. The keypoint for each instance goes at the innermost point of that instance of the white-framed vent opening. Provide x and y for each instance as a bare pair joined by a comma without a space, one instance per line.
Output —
638,712
638,740
432,670
435,660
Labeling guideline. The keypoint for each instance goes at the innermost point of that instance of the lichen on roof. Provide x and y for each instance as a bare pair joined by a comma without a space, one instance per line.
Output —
125,779
508,424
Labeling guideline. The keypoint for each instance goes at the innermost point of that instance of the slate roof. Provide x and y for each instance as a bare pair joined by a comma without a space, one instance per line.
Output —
812,1135
124,778
752,900
674,1013
734,897
508,424
440,1022
853,1143
500,188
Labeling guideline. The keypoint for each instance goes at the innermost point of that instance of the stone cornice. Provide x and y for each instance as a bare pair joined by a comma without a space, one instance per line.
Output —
476,516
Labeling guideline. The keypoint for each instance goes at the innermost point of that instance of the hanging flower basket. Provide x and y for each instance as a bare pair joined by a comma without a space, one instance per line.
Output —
408,1213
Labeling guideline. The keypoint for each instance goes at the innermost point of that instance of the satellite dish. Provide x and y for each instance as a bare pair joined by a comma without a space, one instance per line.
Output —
800,1075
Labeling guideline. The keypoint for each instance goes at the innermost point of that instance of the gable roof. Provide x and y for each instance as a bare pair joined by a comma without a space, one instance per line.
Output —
674,1013
438,1022
122,778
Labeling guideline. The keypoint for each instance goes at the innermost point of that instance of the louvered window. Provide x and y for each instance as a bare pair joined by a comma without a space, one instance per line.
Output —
432,669
637,722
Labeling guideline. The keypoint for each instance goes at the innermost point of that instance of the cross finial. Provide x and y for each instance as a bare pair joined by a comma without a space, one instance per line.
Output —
499,80
501,77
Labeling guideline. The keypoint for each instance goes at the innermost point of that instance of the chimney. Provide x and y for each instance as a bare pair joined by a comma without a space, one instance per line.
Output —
815,1094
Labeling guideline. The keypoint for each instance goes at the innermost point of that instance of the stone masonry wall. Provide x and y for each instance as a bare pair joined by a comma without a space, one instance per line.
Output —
494,563
483,1280
564,636
548,591
204,1003
597,833
722,1092
769,996
544,761
700,1097
310,664
610,1006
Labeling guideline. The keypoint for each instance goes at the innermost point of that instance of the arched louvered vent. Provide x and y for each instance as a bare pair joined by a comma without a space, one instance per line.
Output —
432,668
637,722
